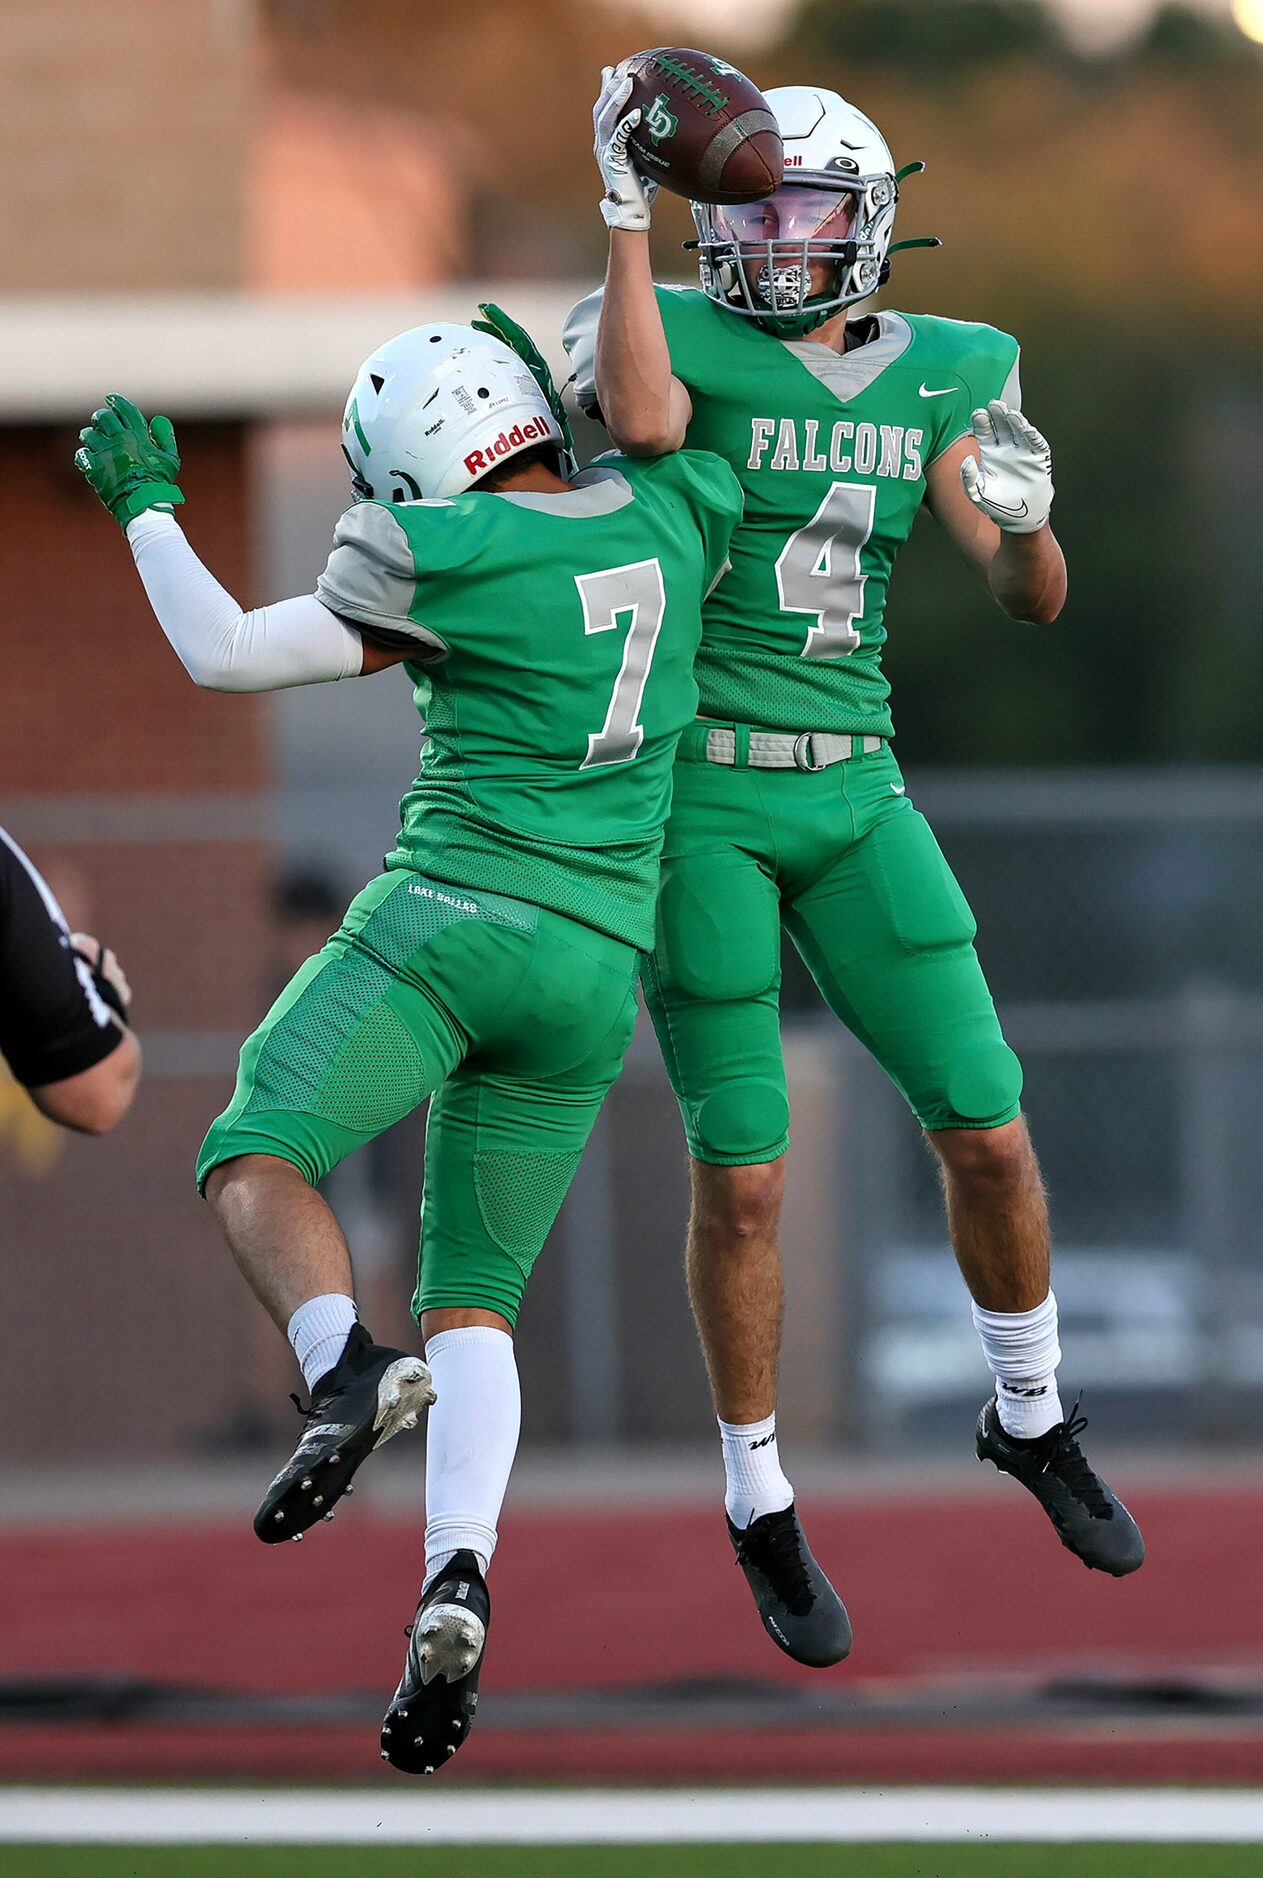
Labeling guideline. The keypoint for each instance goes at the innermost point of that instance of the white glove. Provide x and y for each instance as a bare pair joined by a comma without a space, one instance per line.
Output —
628,194
1010,479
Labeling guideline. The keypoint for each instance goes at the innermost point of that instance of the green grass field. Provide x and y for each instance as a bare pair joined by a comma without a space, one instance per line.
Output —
636,1861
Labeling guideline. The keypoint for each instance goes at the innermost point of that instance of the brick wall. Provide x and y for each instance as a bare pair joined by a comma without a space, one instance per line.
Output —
95,698
124,142
145,802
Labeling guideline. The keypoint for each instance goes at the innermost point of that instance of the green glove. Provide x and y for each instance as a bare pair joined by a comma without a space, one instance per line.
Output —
130,463
501,326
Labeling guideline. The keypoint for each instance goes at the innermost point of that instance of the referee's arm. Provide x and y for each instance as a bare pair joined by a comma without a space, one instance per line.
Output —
63,1029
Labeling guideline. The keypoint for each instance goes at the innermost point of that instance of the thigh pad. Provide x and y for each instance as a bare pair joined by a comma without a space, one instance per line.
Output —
718,936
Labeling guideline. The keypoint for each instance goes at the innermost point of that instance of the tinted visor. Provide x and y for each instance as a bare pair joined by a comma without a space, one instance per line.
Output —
795,212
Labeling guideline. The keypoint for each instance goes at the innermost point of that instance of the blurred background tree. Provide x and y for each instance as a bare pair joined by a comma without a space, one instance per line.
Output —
1105,209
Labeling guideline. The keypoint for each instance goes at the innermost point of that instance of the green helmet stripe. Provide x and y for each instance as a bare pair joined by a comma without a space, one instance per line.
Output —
353,418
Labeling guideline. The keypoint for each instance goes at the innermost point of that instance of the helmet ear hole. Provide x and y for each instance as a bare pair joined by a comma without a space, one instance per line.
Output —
363,490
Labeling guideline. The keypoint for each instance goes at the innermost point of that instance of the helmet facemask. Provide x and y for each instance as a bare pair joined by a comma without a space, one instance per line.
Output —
758,259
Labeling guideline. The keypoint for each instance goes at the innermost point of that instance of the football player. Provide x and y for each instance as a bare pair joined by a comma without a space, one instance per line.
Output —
789,806
548,621
65,1005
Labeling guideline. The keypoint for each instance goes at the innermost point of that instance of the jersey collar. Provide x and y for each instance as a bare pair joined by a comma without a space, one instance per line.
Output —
847,374
596,491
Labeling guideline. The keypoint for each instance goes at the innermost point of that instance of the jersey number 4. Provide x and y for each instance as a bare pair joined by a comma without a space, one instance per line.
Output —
635,595
818,570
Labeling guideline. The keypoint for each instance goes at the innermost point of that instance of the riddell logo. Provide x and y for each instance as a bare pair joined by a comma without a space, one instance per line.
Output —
793,162
534,430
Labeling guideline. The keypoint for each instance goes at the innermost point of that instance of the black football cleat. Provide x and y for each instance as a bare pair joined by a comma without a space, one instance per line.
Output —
801,1611
433,1709
1089,1519
370,1394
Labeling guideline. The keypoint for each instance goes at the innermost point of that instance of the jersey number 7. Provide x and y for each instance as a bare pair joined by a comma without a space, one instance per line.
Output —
608,597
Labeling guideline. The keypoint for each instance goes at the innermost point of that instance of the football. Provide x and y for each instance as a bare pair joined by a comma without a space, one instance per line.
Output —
705,131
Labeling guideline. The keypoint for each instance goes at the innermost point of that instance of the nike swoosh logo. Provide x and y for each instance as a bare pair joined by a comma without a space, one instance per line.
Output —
1017,514
946,392
898,788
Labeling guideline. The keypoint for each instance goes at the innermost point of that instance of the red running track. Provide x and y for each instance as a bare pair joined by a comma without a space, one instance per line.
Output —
963,1591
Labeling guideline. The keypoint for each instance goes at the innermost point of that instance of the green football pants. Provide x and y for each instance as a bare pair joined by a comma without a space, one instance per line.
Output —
841,857
513,1018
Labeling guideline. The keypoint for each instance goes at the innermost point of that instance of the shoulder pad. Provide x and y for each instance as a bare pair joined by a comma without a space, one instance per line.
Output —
371,575
578,335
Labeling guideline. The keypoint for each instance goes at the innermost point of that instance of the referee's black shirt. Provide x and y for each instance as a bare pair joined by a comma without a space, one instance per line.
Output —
53,1021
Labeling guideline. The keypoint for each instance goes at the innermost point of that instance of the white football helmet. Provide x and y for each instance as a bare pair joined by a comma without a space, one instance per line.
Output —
835,211
434,409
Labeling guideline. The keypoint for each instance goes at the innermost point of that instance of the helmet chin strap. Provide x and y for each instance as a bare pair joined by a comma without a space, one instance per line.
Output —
916,241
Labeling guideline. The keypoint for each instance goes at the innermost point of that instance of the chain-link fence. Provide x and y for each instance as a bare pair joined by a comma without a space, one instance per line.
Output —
1118,917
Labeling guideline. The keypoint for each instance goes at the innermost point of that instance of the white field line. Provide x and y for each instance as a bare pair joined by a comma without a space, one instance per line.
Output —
618,1817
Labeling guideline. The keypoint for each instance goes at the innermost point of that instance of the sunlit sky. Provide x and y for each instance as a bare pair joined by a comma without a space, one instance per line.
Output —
1093,22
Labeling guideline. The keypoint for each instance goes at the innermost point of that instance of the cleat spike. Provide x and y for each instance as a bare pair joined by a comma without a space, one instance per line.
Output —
327,1515
385,1756
452,1748
429,1770
334,1459
348,1489
279,1517
305,1484
297,1538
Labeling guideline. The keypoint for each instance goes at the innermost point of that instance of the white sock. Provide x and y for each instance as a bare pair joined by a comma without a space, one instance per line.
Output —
1022,1353
756,1484
470,1442
318,1331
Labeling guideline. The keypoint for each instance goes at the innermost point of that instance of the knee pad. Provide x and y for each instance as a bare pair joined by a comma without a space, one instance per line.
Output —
740,1122
983,1087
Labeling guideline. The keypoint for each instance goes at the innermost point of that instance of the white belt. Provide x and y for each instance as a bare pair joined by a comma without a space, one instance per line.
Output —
777,749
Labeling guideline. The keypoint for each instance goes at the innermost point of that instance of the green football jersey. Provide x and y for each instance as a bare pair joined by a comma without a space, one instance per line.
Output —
831,450
555,637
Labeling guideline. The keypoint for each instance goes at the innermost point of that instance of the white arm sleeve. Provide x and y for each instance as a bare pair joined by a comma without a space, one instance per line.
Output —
294,642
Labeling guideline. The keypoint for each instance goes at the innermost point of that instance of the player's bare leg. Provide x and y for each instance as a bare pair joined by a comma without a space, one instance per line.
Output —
292,1253
287,1245
998,1218
997,1213
733,1264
